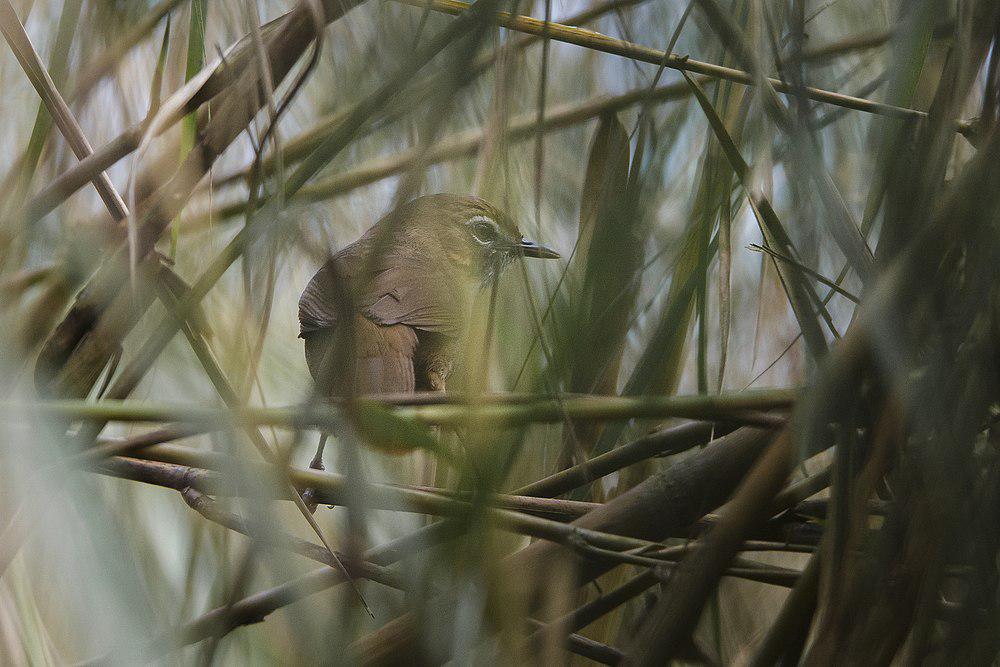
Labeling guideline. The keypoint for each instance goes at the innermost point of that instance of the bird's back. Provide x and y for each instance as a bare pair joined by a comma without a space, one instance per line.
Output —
406,306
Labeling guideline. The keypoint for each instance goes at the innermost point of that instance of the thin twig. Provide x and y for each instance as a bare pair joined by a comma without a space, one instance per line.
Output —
208,508
805,269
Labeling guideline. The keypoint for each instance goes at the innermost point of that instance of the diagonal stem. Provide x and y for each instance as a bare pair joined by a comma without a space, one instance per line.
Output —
32,65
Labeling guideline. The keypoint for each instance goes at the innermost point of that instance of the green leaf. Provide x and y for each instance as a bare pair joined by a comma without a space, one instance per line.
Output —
161,63
195,62
612,244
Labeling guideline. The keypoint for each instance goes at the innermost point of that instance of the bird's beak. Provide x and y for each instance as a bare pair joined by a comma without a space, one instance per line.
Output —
532,249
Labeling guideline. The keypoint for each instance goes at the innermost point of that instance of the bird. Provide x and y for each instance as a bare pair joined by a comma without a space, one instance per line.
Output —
386,314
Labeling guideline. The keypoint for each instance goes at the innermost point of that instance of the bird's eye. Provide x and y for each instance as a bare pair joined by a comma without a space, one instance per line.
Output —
484,230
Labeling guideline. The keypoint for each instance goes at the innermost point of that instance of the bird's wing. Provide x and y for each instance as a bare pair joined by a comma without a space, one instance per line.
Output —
381,358
394,290
400,296
407,291
318,303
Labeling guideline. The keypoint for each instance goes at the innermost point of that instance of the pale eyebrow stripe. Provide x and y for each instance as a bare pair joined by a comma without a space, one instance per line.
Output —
483,218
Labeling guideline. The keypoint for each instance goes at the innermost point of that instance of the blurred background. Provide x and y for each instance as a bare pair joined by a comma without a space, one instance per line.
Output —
674,280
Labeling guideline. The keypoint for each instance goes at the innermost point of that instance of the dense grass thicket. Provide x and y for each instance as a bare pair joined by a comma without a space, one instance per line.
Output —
748,417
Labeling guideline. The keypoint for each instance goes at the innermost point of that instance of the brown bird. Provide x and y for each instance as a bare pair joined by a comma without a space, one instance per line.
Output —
385,314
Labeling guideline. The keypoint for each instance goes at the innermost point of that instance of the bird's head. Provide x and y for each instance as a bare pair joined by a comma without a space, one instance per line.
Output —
471,233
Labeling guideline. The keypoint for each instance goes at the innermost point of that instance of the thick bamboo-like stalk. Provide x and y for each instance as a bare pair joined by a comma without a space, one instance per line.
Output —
593,408
673,621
